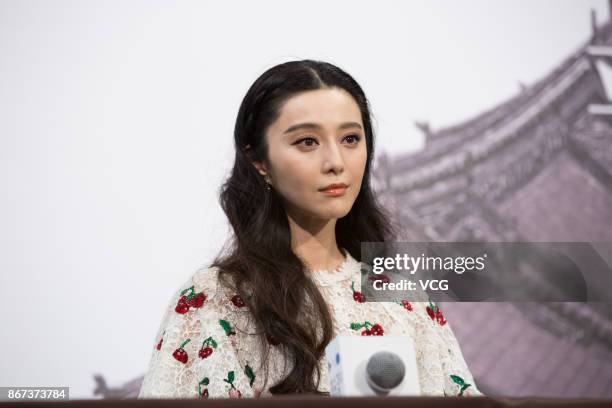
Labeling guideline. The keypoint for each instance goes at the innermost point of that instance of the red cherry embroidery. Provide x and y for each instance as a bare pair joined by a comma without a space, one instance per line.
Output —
203,392
370,329
205,352
435,313
406,305
237,301
440,318
189,298
207,347
158,347
198,300
180,354
357,296
182,307
233,392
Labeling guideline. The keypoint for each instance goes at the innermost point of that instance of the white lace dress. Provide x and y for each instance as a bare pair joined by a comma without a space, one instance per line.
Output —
203,348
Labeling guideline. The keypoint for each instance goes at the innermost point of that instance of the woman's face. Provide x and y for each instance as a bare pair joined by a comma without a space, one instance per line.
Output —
317,140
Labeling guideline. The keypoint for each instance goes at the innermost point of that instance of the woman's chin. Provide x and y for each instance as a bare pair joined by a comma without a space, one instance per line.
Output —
334,213
326,211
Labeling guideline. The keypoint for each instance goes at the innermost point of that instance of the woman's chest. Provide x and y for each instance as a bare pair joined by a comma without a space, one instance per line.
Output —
354,314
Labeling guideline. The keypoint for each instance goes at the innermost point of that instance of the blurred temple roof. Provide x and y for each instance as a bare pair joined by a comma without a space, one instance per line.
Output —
536,168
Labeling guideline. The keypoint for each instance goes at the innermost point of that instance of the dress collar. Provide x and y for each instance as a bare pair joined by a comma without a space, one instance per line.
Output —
347,269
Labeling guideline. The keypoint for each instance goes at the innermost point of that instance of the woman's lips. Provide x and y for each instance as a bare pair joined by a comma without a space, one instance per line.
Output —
334,192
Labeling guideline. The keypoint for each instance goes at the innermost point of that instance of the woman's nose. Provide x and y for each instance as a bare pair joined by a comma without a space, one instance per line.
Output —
333,159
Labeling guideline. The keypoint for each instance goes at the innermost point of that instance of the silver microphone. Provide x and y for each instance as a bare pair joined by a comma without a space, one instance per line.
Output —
372,365
385,371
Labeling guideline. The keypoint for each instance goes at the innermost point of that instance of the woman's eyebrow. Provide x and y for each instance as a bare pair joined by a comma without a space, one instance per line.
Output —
310,125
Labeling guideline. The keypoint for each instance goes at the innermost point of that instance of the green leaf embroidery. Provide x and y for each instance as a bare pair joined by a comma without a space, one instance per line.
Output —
230,378
226,327
249,372
209,341
204,383
459,381
433,307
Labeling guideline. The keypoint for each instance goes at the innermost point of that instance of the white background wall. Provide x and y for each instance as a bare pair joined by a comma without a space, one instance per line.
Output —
116,122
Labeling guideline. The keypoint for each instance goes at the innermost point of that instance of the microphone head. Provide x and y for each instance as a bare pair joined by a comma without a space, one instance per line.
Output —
385,371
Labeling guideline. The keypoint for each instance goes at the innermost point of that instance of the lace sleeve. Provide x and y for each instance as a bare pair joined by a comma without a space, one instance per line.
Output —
458,378
194,355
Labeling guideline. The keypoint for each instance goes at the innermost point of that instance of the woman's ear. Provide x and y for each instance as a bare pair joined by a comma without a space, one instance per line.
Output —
261,167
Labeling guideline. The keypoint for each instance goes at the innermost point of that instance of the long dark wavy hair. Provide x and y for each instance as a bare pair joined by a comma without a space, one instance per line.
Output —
259,263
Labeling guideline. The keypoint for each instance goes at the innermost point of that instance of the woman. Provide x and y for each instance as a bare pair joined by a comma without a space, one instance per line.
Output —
258,319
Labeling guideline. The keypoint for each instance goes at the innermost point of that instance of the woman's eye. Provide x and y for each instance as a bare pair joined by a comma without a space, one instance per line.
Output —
307,139
310,141
356,138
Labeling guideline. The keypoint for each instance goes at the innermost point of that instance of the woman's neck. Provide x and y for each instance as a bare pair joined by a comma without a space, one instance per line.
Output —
314,242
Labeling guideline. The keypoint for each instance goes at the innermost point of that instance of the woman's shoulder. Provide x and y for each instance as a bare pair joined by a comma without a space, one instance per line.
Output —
206,278
204,286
